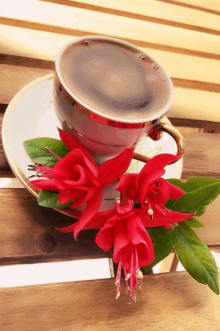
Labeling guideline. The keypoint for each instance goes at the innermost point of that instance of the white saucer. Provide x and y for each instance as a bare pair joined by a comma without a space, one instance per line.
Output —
30,114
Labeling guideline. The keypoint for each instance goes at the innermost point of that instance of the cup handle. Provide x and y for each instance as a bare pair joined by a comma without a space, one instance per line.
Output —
156,134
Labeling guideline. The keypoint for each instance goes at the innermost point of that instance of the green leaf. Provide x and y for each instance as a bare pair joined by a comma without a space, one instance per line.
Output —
194,223
163,244
50,200
195,257
37,153
193,184
198,200
170,204
176,182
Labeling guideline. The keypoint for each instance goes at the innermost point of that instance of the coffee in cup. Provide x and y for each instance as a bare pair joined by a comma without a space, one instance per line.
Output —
109,94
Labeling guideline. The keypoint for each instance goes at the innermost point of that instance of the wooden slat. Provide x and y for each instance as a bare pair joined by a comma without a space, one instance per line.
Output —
3,162
212,6
194,68
215,248
194,72
210,233
202,155
13,78
187,125
15,60
175,301
195,104
50,17
154,11
40,43
28,232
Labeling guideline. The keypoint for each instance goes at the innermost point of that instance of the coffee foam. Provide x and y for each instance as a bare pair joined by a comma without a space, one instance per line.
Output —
114,79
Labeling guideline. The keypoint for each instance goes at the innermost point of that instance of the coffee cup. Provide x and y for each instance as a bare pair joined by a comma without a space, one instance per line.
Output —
110,95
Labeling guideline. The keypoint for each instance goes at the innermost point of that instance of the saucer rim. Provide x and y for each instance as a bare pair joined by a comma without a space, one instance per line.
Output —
6,119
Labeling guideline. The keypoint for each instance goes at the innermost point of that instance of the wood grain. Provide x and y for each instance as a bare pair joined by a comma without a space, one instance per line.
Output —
202,155
155,11
183,76
167,301
211,6
14,78
4,166
29,39
37,15
28,231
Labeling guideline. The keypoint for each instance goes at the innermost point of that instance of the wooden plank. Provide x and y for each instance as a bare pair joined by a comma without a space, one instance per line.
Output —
191,68
50,17
154,11
210,233
195,72
195,104
212,6
215,248
36,42
13,78
15,60
188,125
3,162
198,69
91,305
201,157
28,232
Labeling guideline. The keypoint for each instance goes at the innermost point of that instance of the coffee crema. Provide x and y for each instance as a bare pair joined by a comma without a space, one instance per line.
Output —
114,79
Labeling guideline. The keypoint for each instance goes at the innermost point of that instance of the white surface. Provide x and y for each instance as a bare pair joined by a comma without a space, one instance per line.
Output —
10,183
53,272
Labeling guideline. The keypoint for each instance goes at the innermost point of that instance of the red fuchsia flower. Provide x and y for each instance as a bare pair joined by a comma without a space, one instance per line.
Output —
150,190
124,229
78,178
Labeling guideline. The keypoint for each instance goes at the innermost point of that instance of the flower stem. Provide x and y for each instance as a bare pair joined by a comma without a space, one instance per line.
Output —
141,157
51,152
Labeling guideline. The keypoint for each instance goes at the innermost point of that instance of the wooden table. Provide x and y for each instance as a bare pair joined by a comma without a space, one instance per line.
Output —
184,36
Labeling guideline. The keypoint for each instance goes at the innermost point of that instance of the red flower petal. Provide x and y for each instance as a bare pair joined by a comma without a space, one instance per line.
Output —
143,242
99,219
145,252
64,166
175,192
71,212
68,195
105,237
96,222
159,194
85,197
68,229
144,181
45,184
121,241
113,169
160,219
126,187
125,208
90,211
125,182
137,231
159,162
73,143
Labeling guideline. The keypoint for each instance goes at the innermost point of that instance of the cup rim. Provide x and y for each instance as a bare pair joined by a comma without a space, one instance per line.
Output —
153,117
